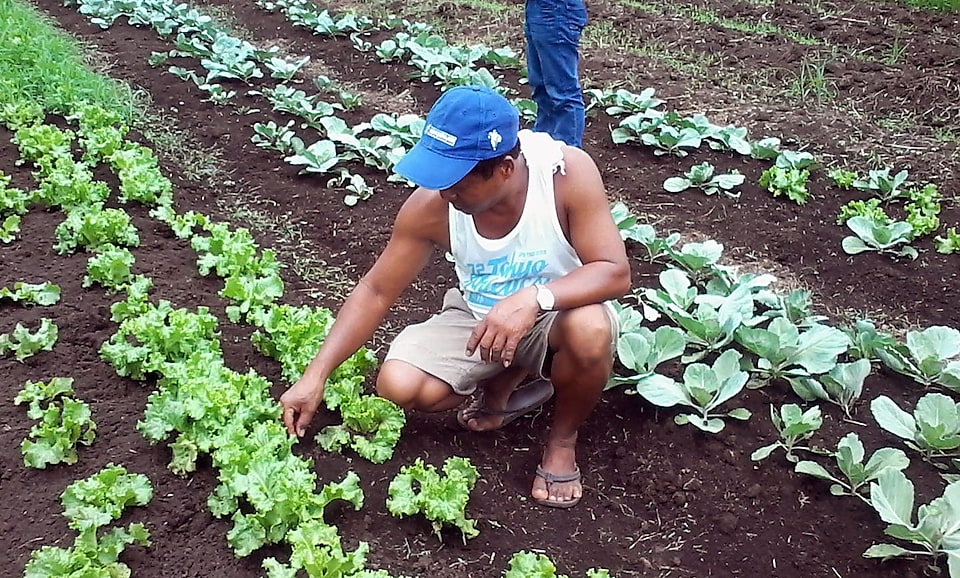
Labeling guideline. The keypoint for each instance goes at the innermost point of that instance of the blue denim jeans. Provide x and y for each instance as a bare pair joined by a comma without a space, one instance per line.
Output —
553,30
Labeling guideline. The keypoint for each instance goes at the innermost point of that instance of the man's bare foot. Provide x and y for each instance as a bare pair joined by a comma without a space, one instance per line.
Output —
557,483
489,411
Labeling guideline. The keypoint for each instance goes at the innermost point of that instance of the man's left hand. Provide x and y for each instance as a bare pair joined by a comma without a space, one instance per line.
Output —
499,333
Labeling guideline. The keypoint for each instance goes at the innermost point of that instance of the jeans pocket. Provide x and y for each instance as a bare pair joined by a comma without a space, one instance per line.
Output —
556,12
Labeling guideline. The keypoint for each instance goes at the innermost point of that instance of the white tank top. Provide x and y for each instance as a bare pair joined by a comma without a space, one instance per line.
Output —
534,252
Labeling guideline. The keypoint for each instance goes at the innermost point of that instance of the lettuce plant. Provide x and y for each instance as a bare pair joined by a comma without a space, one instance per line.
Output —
32,293
949,243
869,208
790,182
856,473
89,505
109,267
923,210
95,227
64,422
842,178
704,388
442,499
525,564
23,344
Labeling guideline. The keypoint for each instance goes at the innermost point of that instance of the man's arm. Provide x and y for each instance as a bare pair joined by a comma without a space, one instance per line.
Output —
406,254
591,230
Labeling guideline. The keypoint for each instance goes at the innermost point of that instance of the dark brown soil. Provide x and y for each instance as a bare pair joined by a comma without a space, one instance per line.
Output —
661,500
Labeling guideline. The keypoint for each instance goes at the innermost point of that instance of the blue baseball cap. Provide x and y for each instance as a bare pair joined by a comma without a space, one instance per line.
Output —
466,125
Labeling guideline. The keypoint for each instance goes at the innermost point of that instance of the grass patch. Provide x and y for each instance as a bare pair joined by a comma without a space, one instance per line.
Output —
42,64
944,5
706,16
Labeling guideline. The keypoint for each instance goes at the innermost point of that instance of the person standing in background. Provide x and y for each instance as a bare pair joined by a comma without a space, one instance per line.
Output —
552,29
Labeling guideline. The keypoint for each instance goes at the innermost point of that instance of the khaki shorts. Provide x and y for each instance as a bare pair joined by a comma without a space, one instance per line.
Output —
437,346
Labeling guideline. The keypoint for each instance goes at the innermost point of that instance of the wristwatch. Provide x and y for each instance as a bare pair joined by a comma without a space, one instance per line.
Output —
545,298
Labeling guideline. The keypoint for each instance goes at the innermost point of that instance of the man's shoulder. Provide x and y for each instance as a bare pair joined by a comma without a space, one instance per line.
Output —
424,213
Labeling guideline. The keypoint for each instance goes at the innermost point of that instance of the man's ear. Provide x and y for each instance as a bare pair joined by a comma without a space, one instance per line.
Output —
508,166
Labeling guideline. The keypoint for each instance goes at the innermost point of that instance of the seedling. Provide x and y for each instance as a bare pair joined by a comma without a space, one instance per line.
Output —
869,209
933,430
893,238
795,426
843,178
842,385
866,340
882,184
704,388
923,210
931,356
702,177
64,422
24,344
525,564
856,474
950,243
937,530
784,351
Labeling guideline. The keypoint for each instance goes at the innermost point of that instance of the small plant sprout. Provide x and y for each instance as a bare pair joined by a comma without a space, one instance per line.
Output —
882,184
783,351
937,530
704,388
949,243
931,356
871,235
842,385
765,148
842,178
642,350
795,426
702,177
866,340
856,473
933,430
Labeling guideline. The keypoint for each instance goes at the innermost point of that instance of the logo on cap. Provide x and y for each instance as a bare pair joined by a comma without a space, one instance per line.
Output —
444,137
495,139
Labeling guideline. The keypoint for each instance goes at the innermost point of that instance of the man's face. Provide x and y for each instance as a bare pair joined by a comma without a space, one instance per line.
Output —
474,194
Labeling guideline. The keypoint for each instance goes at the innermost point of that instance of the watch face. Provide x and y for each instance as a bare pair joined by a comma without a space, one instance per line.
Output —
544,298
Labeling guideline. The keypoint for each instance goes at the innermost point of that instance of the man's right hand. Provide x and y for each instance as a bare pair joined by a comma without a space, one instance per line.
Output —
299,403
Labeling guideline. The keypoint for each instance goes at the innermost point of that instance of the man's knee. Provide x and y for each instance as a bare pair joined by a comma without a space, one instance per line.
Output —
585,334
397,381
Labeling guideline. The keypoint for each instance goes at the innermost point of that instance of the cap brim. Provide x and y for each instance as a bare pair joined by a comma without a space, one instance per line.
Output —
431,170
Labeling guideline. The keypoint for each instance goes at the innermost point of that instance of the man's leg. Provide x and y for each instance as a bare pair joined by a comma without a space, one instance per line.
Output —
557,91
414,389
583,359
